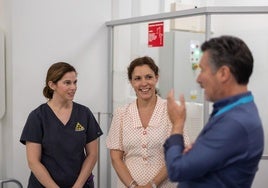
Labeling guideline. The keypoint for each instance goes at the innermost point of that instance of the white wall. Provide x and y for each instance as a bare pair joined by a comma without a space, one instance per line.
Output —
38,34
4,24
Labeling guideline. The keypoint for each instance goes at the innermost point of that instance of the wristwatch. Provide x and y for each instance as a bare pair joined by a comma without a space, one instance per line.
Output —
153,184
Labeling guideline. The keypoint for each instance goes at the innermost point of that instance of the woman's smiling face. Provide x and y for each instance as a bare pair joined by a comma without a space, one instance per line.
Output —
144,82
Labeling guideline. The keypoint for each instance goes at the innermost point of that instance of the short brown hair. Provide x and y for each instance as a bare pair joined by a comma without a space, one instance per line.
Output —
54,74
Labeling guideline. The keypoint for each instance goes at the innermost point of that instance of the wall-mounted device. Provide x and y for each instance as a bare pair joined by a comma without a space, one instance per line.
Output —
195,53
178,61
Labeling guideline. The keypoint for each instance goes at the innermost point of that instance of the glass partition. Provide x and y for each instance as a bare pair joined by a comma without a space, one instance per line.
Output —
253,30
179,56
177,59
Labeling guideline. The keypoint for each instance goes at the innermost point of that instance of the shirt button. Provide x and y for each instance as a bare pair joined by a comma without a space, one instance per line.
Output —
144,146
144,132
144,158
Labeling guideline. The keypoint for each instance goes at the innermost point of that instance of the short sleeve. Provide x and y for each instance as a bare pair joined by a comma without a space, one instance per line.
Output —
32,130
94,131
114,138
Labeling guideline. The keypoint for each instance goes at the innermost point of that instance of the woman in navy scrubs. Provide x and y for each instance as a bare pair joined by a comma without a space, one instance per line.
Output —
61,135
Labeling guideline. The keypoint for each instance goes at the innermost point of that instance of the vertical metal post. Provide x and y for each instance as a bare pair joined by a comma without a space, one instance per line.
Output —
110,86
98,166
208,26
207,37
3,102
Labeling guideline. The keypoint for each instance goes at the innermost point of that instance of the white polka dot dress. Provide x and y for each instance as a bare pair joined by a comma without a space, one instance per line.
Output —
143,147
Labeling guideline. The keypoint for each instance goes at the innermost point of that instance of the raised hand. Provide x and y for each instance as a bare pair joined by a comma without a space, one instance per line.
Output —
176,112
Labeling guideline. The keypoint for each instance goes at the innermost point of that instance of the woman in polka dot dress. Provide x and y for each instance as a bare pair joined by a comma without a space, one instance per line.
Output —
139,130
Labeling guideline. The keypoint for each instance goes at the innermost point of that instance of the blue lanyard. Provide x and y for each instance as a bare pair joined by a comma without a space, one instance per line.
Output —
243,100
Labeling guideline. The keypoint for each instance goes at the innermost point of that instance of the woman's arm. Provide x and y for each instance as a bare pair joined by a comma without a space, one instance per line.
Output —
33,151
88,164
120,167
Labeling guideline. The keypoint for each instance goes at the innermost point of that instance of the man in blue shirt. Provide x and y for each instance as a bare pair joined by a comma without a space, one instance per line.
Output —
227,152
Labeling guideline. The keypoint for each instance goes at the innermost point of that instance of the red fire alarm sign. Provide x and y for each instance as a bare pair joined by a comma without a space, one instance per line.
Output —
155,34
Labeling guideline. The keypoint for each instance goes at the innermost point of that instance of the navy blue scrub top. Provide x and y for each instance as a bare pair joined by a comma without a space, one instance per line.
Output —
62,145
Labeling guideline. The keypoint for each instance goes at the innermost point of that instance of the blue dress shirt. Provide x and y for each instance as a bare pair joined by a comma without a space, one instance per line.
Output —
227,152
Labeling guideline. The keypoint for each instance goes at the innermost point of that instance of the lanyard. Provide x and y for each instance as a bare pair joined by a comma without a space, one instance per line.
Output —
243,100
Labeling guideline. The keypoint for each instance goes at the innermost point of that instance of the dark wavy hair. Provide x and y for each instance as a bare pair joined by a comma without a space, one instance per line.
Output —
145,60
232,52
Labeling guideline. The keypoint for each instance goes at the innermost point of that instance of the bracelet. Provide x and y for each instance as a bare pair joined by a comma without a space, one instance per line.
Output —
132,184
153,184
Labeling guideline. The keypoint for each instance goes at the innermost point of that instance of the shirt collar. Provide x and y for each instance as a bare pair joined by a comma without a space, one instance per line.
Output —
136,117
226,101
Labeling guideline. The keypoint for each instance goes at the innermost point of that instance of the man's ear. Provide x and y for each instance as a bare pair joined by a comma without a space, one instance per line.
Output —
224,73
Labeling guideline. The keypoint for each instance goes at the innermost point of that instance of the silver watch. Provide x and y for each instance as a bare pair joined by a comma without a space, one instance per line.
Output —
153,184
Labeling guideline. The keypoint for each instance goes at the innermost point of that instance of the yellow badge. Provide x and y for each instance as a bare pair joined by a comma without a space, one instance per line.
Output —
79,127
